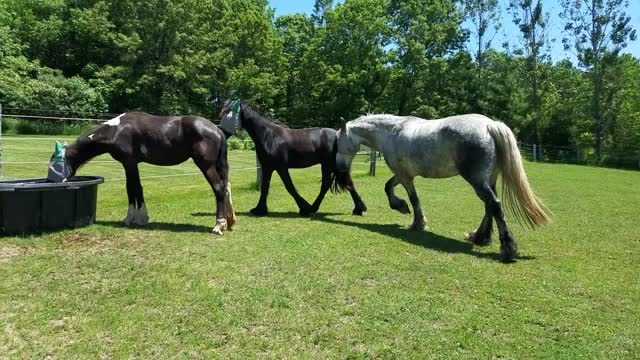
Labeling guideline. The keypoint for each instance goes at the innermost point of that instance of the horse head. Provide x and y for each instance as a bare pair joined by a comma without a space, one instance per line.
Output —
230,120
347,147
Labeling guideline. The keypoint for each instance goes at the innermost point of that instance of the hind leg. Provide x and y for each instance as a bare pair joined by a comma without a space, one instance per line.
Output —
230,214
326,184
419,222
482,235
219,188
508,246
395,202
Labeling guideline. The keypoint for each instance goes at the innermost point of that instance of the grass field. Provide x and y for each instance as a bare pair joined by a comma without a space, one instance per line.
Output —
332,286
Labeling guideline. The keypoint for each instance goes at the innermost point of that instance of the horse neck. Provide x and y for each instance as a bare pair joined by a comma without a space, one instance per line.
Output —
81,151
256,124
368,134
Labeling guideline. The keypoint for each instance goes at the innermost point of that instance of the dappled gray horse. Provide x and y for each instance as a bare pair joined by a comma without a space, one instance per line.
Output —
473,146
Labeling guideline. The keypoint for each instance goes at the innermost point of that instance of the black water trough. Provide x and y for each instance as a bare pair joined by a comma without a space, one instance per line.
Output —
36,205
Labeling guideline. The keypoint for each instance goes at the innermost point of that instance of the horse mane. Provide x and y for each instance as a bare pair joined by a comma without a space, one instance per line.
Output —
255,110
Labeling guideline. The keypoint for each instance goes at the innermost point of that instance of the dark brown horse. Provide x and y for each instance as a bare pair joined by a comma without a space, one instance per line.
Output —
280,149
136,137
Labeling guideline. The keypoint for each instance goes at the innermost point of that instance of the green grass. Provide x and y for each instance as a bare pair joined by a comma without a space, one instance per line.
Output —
332,286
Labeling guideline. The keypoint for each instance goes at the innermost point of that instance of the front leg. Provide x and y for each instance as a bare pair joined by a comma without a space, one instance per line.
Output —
261,209
326,184
303,205
419,222
395,202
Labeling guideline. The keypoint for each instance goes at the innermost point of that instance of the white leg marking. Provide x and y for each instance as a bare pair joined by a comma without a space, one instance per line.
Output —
131,213
141,216
221,226
230,214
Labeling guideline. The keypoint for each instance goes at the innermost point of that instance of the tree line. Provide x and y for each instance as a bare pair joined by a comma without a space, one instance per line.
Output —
409,57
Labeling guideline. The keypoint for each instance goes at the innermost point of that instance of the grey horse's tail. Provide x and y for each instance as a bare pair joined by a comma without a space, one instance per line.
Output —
516,191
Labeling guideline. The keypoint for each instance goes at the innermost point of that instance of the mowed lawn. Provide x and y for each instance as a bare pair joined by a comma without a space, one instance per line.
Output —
330,286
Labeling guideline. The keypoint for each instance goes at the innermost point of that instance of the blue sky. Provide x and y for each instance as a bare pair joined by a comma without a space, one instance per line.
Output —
508,32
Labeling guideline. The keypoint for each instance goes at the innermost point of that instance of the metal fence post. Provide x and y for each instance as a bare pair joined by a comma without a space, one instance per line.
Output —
372,163
258,173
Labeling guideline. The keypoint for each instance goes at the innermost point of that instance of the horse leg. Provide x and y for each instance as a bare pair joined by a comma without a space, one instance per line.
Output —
482,235
303,205
508,246
395,202
261,209
230,214
136,202
142,217
219,191
360,206
326,184
419,222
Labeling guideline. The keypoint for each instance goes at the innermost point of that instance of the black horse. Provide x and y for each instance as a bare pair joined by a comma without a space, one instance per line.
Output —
137,137
280,148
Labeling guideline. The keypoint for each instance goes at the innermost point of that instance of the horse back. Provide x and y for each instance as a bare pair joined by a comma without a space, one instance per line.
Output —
301,148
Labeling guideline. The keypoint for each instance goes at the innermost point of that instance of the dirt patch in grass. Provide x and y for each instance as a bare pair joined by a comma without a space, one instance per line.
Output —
9,252
99,243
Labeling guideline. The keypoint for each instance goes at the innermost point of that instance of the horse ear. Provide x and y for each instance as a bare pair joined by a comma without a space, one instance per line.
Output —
343,124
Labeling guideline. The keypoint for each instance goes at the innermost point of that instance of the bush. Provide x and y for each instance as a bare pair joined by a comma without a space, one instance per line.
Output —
36,127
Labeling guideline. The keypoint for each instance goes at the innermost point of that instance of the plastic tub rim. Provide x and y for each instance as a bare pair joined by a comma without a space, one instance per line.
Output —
41,184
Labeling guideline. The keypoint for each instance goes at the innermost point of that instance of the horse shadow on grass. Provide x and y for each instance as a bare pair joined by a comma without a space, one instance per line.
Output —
164,226
425,239
286,215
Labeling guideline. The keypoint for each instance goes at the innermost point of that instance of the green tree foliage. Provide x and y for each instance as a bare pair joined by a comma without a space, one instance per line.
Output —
424,32
599,30
345,59
531,20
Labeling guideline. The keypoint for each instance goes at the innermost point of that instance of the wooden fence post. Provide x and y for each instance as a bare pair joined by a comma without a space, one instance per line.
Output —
372,163
535,153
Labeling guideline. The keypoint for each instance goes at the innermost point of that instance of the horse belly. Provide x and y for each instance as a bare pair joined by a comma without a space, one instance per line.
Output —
163,156
424,158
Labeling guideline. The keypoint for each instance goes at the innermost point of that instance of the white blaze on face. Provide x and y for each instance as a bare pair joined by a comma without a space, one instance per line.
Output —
115,121
91,136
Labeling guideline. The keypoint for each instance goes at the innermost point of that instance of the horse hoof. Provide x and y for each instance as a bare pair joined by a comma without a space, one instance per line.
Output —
258,212
420,226
217,231
306,212
402,207
475,238
359,210
508,248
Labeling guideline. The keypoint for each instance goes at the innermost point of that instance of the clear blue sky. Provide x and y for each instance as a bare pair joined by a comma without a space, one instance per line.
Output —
508,32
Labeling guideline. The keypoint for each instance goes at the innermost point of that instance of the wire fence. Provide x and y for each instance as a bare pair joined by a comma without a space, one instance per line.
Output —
573,154
37,156
29,156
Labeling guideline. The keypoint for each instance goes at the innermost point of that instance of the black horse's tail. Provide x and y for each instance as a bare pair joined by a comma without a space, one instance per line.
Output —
340,180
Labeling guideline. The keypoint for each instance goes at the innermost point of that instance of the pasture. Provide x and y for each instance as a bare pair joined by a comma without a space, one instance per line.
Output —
330,286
